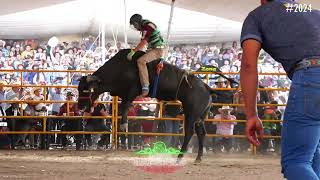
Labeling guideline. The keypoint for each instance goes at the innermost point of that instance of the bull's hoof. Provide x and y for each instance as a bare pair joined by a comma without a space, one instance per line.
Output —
179,159
124,127
197,161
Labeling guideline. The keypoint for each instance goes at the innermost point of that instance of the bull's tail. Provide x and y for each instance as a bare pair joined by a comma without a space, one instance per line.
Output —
211,91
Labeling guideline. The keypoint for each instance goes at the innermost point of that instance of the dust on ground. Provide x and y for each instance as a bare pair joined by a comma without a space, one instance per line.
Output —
117,165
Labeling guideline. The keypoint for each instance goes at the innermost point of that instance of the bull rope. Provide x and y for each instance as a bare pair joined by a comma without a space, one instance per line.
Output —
184,76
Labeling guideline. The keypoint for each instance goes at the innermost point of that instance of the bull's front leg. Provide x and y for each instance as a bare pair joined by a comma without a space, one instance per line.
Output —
124,108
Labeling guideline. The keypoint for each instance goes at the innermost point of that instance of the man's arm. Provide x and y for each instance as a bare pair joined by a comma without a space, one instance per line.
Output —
146,33
141,45
249,82
249,76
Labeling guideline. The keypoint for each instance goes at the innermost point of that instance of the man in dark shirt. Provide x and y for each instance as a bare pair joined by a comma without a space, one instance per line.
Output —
98,124
293,39
71,124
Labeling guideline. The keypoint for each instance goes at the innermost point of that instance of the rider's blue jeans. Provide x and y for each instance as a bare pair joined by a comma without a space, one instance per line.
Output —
300,157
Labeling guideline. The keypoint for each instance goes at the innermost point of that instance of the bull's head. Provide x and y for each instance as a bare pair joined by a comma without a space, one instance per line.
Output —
88,89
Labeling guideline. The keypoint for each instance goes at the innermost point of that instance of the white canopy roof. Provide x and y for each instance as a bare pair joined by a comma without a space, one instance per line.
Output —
46,18
85,16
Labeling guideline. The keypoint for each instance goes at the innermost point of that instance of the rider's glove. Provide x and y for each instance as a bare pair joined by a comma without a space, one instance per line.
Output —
129,57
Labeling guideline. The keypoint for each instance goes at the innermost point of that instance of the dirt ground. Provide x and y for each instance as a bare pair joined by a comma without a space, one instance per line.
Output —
114,165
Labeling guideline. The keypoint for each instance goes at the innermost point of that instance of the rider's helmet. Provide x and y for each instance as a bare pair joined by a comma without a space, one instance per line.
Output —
136,21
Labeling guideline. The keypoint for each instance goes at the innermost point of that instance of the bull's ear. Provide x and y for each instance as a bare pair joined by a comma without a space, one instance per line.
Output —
92,78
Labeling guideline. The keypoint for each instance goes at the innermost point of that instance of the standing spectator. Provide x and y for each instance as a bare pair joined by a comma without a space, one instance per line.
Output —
134,125
98,125
5,140
172,126
55,124
147,125
71,125
14,92
270,128
225,128
40,109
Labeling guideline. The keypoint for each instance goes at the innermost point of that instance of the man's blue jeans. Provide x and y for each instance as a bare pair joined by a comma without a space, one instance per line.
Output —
300,157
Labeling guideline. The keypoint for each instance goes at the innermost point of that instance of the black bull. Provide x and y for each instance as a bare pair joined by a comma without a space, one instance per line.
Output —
120,77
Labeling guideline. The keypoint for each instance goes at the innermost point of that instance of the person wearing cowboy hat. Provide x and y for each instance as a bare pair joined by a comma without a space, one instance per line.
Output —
13,92
221,82
70,125
37,96
225,128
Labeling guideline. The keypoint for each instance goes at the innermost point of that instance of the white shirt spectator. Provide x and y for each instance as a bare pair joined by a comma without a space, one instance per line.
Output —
56,96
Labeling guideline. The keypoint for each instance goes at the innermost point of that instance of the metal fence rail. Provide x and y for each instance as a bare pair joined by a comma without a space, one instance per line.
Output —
114,114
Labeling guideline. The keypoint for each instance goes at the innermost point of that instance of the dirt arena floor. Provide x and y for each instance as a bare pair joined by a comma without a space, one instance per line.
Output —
114,165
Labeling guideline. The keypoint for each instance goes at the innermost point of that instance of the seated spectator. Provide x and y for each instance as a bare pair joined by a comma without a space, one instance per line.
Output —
226,67
36,77
28,52
5,52
228,55
39,55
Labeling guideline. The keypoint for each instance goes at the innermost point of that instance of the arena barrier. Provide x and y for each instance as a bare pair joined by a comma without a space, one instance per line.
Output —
114,114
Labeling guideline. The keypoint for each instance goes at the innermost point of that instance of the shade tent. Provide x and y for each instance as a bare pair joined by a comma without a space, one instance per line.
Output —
193,21
82,16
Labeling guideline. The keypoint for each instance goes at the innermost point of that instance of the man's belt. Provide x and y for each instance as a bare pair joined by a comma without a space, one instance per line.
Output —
307,62
160,47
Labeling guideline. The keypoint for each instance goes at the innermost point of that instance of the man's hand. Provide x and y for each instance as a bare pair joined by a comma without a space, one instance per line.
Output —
254,127
129,56
159,67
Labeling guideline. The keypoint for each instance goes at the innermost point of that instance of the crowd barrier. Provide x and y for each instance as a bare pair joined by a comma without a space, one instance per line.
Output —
114,114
